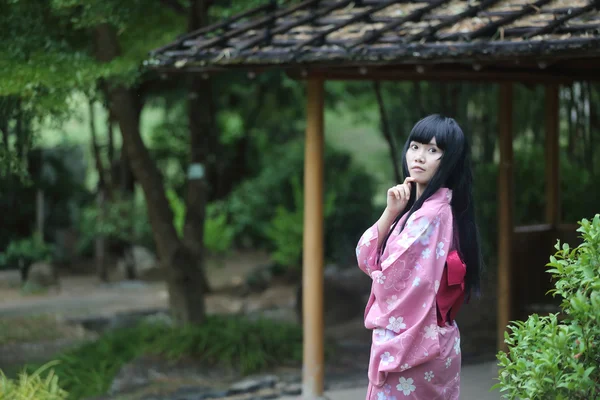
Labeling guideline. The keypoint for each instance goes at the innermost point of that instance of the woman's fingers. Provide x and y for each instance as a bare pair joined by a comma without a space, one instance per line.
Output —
405,192
402,191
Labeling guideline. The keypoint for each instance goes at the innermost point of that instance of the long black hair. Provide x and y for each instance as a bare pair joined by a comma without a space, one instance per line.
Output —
454,173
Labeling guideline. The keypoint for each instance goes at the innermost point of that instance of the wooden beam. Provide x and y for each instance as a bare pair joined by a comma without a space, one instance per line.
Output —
551,75
312,268
505,211
552,156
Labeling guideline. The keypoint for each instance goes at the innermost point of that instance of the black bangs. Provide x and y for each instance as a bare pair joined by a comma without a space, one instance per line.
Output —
429,127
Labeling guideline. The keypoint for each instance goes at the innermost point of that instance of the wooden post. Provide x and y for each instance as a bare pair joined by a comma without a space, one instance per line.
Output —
552,156
505,211
312,268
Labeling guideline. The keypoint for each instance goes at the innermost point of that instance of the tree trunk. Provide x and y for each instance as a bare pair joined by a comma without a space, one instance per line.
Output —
202,138
96,149
387,134
111,148
200,124
184,281
100,243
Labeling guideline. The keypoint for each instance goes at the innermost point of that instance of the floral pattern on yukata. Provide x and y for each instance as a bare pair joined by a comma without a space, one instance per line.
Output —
411,356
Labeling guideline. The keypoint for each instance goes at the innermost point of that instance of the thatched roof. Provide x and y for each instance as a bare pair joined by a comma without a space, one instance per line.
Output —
378,32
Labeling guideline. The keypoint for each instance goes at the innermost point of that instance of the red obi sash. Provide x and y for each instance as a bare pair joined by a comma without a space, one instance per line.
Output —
451,293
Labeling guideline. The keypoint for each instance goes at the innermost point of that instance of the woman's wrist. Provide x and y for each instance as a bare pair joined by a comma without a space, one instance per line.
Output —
385,222
389,216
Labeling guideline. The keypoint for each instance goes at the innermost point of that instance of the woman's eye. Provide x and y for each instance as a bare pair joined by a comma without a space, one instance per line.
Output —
414,147
433,150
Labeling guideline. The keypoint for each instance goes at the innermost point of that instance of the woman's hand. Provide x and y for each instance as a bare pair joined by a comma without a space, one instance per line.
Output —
398,196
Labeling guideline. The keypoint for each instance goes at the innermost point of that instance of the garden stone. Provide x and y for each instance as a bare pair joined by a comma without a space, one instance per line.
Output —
42,274
259,278
342,303
147,266
252,385
292,389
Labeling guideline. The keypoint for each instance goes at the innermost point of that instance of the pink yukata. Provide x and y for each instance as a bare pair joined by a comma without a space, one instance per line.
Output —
415,354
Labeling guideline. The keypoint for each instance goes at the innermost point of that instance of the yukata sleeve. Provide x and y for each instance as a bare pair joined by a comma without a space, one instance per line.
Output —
366,250
414,269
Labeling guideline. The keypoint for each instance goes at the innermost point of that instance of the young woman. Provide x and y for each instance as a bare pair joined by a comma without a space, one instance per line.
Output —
424,258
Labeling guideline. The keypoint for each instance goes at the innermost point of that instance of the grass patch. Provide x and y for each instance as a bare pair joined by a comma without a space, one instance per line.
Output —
32,386
237,343
33,329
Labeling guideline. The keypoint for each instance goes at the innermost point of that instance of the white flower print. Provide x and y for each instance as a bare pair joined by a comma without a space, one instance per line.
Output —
404,367
426,236
405,240
431,331
448,362
426,253
429,376
424,305
418,266
387,388
437,285
439,251
387,358
378,277
396,324
383,396
441,330
367,237
416,281
383,335
390,302
457,345
406,386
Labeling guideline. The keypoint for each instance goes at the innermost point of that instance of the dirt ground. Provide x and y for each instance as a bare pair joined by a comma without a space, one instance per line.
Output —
82,295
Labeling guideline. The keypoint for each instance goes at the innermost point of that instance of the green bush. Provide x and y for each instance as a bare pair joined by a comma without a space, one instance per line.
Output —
286,228
20,254
123,219
218,233
558,356
32,386
253,206
227,342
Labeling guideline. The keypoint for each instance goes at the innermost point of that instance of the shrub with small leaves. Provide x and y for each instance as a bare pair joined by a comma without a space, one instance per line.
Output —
558,356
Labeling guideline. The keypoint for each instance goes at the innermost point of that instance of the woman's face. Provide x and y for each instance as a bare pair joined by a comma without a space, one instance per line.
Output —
423,160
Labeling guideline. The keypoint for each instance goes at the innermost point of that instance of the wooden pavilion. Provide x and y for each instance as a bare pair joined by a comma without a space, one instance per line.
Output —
547,42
